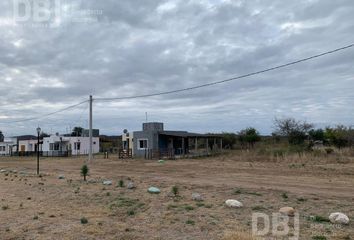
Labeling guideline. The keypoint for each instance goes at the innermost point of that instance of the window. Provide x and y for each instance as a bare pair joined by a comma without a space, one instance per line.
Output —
53,146
77,146
142,144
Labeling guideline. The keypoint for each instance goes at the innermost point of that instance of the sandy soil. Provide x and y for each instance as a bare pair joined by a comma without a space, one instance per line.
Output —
51,208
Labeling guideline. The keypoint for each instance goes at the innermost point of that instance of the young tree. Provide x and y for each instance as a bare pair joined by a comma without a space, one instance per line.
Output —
296,131
84,171
249,136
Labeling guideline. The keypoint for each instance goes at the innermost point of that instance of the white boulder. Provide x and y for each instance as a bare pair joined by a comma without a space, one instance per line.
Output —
154,190
339,218
107,182
233,203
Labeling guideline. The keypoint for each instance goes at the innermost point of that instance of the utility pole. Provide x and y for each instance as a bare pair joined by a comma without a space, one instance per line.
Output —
90,130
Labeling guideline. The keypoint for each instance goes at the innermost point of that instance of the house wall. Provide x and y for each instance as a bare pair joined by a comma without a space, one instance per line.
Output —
150,136
68,144
6,148
27,145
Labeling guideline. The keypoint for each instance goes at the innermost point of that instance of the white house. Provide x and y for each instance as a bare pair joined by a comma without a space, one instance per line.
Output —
29,145
55,145
8,147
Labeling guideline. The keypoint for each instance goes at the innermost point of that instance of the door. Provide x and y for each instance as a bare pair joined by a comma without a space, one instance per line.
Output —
23,148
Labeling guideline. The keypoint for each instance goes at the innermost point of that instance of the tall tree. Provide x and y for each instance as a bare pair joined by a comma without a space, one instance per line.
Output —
77,132
2,137
296,131
249,136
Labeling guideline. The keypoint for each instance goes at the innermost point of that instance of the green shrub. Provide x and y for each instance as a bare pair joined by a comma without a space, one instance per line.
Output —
121,183
175,191
190,222
83,220
319,238
84,171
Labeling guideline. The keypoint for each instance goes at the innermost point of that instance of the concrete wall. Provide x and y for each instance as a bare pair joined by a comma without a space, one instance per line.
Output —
27,145
150,136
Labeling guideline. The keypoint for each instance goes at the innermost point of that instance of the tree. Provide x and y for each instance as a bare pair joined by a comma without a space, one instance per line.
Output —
229,139
317,134
296,131
249,136
340,136
84,171
2,137
77,132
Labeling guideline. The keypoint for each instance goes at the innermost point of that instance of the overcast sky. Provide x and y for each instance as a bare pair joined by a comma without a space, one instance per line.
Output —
117,48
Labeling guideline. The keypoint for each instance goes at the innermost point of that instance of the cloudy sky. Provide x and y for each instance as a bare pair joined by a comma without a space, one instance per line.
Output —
117,48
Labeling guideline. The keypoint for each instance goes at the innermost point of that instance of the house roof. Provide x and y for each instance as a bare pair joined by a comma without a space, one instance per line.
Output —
186,134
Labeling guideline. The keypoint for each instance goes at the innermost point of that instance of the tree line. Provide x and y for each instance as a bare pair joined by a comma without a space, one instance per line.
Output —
295,132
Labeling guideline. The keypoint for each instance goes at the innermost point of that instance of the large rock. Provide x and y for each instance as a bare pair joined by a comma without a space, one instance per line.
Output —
154,190
288,211
197,197
107,182
339,218
233,203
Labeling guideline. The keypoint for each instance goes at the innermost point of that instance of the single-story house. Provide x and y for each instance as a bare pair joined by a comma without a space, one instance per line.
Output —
57,145
29,145
8,146
154,142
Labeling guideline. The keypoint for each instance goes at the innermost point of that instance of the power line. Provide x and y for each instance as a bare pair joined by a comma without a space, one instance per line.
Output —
227,80
46,115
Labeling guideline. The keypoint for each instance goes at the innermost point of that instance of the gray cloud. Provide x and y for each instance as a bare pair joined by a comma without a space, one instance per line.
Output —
136,47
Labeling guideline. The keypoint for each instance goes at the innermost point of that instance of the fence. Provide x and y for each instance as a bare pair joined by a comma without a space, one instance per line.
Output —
125,153
42,154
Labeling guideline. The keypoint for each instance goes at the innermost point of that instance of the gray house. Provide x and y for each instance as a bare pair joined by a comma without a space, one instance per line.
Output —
154,142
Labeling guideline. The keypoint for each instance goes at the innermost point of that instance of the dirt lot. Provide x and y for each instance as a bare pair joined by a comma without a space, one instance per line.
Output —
51,208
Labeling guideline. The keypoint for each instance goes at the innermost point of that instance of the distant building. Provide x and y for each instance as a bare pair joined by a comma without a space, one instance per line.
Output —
57,145
8,146
155,142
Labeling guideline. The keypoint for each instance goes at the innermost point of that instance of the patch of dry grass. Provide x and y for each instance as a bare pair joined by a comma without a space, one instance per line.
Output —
239,236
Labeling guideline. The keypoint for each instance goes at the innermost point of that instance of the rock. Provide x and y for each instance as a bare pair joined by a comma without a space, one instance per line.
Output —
107,182
92,181
130,185
339,218
197,197
233,203
161,161
154,190
3,171
289,211
61,177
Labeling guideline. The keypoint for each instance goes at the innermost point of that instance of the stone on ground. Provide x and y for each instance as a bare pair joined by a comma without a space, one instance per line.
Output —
233,203
130,185
288,211
61,177
107,182
197,197
339,218
161,161
154,190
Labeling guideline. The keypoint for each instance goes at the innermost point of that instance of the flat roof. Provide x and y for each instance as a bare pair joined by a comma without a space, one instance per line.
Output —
186,134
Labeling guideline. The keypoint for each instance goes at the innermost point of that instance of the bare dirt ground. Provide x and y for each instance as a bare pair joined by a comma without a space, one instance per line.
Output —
51,208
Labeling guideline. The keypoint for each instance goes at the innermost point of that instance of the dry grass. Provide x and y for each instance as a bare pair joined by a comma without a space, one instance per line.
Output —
239,236
50,208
